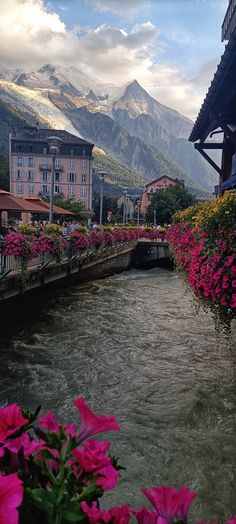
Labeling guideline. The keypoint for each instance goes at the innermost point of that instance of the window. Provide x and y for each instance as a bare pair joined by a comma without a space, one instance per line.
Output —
18,175
84,164
45,177
83,191
57,177
45,151
45,190
83,178
72,164
57,189
31,162
30,175
57,163
45,162
72,152
72,177
19,161
84,152
71,191
31,189
20,188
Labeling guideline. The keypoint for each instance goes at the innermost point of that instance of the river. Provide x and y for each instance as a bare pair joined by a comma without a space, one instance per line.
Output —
134,346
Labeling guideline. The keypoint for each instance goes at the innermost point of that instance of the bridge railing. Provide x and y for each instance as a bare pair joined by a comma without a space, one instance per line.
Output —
10,263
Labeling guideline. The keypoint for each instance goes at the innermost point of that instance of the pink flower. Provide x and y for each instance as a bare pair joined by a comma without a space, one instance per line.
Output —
11,495
11,420
95,515
90,424
92,456
170,503
144,516
49,422
23,442
108,477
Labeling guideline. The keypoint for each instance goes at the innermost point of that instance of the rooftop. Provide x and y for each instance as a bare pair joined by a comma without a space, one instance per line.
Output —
221,96
34,134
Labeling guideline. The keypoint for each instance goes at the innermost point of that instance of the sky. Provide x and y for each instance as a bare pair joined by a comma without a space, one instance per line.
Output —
172,47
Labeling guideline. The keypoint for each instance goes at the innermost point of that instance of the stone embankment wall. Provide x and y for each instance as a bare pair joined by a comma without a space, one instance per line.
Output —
84,268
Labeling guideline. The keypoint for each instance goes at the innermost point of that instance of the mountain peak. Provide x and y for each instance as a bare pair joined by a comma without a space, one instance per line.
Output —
135,89
47,68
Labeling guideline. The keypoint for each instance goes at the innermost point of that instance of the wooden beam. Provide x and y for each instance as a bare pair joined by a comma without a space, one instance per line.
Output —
208,158
209,145
225,126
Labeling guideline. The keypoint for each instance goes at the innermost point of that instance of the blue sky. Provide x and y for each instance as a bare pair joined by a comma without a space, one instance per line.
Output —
172,47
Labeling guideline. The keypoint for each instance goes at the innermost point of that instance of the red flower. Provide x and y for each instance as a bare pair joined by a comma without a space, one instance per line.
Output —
11,420
90,424
11,495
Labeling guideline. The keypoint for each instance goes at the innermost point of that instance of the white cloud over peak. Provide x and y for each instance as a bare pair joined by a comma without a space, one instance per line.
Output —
32,35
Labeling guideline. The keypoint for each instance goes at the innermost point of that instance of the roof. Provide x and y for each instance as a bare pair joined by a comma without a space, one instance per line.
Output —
221,96
160,178
8,202
45,206
34,134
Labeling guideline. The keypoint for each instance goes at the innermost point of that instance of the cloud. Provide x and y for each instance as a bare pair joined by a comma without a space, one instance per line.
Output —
32,35
121,7
30,32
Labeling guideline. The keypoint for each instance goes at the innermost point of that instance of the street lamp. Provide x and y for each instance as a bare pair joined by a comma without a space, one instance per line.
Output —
124,208
102,179
54,143
154,218
138,204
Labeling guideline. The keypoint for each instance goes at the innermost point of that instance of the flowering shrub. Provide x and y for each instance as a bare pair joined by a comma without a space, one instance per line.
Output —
55,473
50,244
20,246
79,241
26,229
52,229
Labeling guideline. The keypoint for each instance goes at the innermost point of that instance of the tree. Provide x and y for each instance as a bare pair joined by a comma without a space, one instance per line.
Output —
165,203
75,206
109,204
4,173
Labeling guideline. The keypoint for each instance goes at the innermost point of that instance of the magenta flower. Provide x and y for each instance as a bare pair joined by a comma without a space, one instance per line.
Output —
169,502
11,420
144,516
49,422
23,442
95,515
108,477
90,424
11,495
92,456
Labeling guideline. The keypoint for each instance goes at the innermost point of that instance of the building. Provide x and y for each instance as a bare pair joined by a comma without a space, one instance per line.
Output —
159,184
129,204
32,159
218,112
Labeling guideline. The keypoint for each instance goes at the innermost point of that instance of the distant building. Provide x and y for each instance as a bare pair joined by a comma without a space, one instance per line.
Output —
218,111
129,204
159,184
31,165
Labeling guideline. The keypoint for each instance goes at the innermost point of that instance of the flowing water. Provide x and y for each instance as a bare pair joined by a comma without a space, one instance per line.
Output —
134,346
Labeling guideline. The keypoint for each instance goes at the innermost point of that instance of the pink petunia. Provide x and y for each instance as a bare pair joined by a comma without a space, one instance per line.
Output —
11,495
144,516
11,420
169,502
90,424
49,422
23,442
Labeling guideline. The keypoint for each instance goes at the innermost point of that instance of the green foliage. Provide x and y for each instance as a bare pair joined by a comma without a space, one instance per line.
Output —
4,173
75,206
118,174
167,202
109,204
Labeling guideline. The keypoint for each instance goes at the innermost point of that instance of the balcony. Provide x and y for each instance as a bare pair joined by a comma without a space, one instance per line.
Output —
43,167
229,22
59,168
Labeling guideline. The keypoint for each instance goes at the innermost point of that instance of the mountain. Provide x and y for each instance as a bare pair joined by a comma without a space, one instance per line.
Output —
137,101
131,126
129,150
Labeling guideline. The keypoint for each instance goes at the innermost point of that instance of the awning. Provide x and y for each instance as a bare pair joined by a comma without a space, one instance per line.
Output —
230,183
45,206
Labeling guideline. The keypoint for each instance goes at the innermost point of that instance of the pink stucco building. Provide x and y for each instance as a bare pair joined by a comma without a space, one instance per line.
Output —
159,184
31,165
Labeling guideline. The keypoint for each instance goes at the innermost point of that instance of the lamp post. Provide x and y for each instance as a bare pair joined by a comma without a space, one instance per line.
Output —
154,218
54,143
102,179
138,204
124,208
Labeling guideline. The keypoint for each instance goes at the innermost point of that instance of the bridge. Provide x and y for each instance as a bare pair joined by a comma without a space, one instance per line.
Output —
92,264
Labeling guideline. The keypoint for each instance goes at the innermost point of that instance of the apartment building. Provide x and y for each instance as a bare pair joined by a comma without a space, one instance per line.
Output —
32,161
